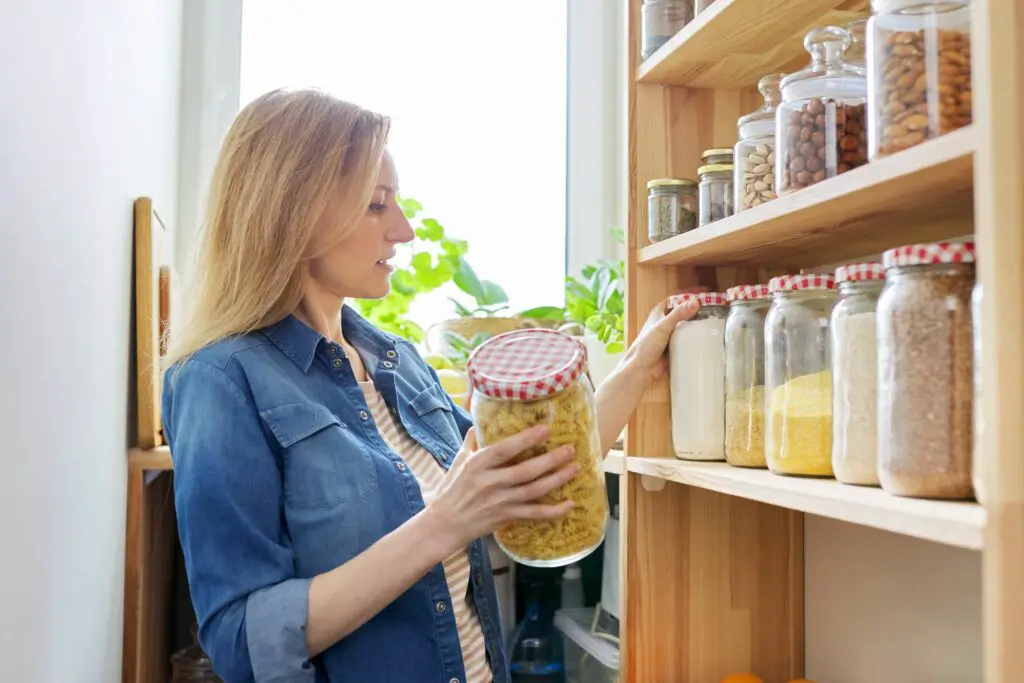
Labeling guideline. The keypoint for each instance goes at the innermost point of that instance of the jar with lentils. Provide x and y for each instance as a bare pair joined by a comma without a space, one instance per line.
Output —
854,376
925,366
820,125
754,154
798,440
920,72
744,375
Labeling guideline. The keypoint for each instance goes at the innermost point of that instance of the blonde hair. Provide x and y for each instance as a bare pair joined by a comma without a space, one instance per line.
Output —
289,157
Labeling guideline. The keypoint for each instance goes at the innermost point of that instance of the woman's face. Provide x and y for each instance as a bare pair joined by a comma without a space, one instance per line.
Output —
357,267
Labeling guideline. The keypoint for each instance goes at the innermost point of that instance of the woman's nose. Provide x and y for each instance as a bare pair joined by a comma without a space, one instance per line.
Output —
402,231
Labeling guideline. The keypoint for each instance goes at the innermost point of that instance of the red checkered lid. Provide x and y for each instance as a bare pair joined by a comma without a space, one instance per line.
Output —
747,292
929,254
705,299
794,283
855,272
524,365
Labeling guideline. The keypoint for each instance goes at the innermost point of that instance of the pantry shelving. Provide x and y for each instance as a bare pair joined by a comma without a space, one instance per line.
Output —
717,574
957,524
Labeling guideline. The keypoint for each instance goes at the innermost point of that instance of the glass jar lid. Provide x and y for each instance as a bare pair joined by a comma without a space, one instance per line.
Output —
525,365
929,254
715,168
796,283
670,182
708,154
829,73
704,298
856,53
748,293
768,86
860,272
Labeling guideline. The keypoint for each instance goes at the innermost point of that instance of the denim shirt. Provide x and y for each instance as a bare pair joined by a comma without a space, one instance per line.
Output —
280,475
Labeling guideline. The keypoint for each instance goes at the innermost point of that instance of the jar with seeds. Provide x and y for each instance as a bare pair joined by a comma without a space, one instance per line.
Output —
925,371
820,125
671,207
919,67
754,183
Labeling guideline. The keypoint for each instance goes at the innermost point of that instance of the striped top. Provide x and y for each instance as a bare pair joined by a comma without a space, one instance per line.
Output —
430,476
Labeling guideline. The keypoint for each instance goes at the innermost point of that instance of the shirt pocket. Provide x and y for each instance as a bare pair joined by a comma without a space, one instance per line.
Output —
325,464
432,408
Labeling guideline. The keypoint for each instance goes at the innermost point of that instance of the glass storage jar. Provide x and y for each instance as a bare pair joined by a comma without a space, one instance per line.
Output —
660,20
539,376
696,353
854,374
925,359
820,125
701,5
857,53
744,375
919,61
716,192
977,457
754,154
798,376
716,155
671,207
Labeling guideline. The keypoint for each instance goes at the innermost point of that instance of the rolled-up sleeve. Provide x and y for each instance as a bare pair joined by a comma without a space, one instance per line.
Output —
251,608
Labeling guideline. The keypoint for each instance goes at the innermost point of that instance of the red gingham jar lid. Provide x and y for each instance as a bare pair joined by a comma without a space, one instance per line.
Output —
929,254
524,365
794,283
705,299
856,272
747,292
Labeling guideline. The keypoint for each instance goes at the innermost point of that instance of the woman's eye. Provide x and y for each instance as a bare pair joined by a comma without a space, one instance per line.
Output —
378,208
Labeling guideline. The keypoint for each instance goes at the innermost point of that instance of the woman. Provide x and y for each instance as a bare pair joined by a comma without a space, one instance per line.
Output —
330,496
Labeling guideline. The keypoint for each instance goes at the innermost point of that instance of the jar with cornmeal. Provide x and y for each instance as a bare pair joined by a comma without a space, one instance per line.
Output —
744,375
798,439
538,376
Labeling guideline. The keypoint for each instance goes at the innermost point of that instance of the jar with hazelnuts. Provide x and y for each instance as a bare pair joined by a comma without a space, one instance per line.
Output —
919,61
820,127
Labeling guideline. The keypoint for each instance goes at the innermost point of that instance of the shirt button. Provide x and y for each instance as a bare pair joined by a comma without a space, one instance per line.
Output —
392,354
441,607
337,362
454,680
388,364
477,580
363,414
400,466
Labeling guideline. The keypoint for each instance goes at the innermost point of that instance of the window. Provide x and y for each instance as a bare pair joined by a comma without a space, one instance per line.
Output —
477,97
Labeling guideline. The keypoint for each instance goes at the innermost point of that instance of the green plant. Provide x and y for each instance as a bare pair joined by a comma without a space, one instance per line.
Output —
434,260
490,298
458,348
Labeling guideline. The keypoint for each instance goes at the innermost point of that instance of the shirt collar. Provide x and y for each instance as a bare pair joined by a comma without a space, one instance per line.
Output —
299,342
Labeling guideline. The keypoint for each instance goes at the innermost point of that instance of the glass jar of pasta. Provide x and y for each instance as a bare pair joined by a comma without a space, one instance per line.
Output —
798,440
538,376
744,375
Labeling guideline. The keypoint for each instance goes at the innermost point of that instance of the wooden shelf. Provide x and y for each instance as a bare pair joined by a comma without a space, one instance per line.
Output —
158,458
921,194
734,43
950,523
615,462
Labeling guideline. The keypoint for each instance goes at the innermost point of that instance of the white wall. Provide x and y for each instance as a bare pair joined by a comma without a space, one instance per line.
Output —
89,122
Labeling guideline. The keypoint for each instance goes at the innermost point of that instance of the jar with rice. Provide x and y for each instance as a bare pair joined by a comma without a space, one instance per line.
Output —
538,376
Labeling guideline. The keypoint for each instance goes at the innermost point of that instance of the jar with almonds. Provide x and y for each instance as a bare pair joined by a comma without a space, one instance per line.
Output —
755,152
920,72
820,125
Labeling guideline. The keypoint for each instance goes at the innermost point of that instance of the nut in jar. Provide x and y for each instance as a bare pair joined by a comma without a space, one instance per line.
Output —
821,128
920,72
537,376
758,176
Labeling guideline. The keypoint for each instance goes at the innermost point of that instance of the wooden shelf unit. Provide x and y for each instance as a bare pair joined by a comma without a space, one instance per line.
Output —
714,558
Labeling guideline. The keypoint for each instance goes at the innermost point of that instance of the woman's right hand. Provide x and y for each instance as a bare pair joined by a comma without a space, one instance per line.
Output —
482,490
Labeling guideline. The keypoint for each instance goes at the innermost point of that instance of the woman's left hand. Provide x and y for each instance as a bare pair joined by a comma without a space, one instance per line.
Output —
647,354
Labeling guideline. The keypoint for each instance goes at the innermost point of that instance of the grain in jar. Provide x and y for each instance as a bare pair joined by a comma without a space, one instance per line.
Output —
744,375
798,375
754,183
854,376
925,363
696,352
537,376
820,125
919,72
671,207
977,457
